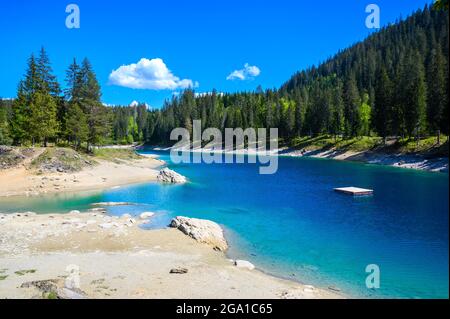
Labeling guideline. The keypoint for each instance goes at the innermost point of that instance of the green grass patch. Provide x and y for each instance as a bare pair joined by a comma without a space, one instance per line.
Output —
326,142
425,146
24,272
50,295
3,277
116,155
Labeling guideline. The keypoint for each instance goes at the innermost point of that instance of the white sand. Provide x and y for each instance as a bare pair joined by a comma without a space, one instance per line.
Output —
124,261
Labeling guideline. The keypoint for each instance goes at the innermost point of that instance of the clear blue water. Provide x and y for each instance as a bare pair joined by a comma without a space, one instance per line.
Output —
293,225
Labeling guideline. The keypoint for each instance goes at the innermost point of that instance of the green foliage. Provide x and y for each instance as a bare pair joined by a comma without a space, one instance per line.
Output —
42,124
5,133
365,116
77,129
50,295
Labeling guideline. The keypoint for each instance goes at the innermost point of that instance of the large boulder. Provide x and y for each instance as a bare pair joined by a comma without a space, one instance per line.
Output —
203,231
168,176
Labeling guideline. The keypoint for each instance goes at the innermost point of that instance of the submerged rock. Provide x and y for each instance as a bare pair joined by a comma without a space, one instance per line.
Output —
146,215
113,204
244,264
203,231
168,176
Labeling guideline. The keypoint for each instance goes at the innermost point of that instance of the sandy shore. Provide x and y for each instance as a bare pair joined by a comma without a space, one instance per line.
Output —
117,259
22,180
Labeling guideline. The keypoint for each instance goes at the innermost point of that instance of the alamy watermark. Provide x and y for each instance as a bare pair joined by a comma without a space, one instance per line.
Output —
73,19
249,145
373,279
373,19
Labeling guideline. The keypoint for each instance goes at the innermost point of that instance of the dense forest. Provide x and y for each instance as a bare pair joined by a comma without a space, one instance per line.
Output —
393,84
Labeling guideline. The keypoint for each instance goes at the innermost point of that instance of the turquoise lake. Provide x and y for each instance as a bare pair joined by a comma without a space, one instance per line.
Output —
293,225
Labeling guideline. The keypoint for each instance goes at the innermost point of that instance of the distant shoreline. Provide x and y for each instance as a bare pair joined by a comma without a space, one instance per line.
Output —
400,160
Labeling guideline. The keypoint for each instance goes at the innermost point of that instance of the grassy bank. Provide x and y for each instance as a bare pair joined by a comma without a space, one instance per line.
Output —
425,146
116,155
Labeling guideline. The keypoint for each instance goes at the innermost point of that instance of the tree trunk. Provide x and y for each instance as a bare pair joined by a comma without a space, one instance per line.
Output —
439,137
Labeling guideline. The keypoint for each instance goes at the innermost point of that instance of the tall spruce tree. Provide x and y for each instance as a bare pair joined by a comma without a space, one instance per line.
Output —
382,119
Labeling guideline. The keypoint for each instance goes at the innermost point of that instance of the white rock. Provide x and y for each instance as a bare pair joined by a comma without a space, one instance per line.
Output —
244,264
168,176
106,225
309,288
74,212
126,216
65,293
146,215
203,231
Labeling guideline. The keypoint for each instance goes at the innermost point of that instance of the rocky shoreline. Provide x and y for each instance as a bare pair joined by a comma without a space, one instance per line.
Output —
409,161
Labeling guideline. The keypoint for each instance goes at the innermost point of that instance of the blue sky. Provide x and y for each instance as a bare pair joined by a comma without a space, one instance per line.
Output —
195,42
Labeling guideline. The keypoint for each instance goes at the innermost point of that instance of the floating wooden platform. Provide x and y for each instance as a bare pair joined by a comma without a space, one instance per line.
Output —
355,191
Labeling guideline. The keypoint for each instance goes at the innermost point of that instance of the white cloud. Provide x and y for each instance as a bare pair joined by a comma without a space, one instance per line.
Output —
248,72
134,103
149,74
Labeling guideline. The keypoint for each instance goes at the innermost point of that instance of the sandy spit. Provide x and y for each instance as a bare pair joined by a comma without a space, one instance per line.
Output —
21,180
118,259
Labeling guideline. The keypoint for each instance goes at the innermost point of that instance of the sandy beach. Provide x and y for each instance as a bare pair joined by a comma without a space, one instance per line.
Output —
117,259
24,180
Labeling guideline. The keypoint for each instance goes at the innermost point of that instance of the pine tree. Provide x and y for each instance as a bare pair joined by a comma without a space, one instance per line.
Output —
46,81
43,124
413,95
20,116
98,118
77,129
352,102
383,104
73,83
337,112
5,138
437,99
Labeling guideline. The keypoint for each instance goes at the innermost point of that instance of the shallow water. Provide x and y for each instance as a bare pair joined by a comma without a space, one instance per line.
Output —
293,225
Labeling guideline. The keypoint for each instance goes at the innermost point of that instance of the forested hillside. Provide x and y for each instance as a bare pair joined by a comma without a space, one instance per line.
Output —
393,84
